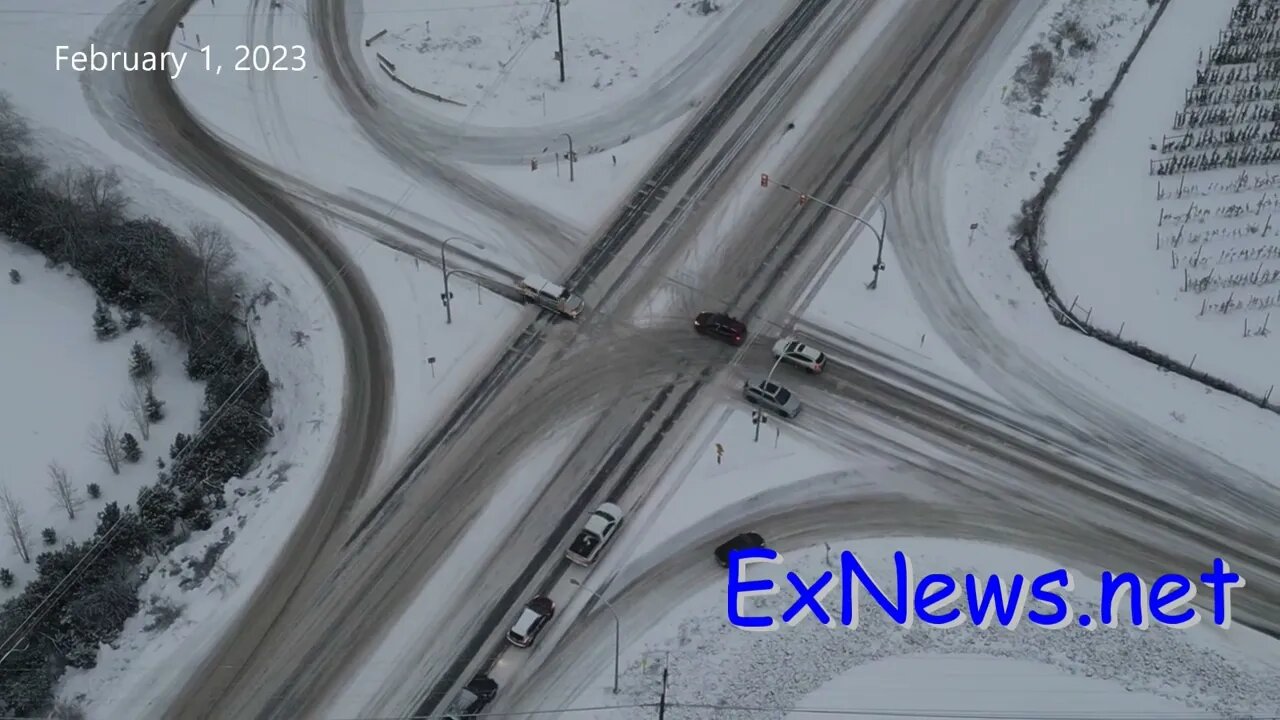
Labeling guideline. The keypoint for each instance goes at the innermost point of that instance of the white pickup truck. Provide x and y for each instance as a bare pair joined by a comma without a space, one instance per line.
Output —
550,296
595,534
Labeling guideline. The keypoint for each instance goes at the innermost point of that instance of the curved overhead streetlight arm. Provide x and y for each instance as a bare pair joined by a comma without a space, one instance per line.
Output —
884,220
617,628
572,157
444,271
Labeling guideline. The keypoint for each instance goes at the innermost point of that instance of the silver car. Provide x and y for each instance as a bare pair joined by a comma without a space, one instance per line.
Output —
771,396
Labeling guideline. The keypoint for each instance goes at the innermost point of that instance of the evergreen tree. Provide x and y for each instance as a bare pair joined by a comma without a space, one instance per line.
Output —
104,326
129,445
132,319
153,407
140,363
179,441
95,492
6,578
50,536
15,277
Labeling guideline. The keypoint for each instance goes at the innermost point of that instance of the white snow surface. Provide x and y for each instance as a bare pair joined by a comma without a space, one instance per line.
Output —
697,484
998,155
977,684
887,318
1101,228
59,382
1198,671
498,59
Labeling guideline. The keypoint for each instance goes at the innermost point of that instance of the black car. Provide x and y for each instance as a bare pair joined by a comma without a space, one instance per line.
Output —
474,697
721,326
744,541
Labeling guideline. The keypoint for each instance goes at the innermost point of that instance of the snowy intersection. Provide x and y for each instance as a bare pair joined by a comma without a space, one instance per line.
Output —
433,360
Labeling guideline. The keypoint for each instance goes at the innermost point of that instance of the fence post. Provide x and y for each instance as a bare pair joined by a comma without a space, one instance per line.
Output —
1121,331
1073,304
1193,360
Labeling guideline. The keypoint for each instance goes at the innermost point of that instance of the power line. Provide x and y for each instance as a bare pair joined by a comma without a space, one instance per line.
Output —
100,544
935,714
407,11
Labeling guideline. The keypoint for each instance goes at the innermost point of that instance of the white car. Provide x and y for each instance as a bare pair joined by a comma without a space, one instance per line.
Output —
773,396
794,352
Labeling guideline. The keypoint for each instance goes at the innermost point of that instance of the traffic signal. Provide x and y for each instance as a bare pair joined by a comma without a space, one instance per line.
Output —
764,179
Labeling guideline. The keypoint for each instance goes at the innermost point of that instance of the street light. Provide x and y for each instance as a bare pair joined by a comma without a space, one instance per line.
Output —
444,271
571,155
884,220
617,629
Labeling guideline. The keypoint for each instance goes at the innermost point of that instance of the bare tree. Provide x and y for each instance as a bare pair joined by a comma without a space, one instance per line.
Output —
15,525
98,193
63,492
135,404
216,257
104,441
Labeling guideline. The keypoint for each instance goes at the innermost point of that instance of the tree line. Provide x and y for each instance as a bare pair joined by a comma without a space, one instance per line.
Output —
79,218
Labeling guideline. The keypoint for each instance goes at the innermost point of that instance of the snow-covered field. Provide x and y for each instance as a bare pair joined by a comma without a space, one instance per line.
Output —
498,60
1124,670
698,482
979,685
1136,248
999,152
886,318
59,383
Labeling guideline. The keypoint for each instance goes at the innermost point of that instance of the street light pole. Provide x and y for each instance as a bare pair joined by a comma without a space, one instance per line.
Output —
617,629
884,220
444,272
571,155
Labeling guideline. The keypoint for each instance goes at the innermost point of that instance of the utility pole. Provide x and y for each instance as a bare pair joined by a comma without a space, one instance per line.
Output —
560,38
662,701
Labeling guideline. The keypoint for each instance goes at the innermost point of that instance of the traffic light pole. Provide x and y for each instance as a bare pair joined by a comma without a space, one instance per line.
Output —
879,234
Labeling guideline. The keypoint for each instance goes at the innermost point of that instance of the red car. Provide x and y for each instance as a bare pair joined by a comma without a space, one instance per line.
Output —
721,326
